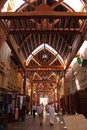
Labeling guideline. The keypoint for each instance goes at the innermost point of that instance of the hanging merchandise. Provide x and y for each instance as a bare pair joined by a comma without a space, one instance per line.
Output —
9,108
16,114
21,102
13,103
20,107
79,60
1,105
3,108
13,106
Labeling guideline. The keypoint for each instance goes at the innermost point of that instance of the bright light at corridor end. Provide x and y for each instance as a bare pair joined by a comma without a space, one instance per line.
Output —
44,101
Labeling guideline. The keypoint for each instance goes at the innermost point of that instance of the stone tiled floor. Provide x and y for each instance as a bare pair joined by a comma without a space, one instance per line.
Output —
75,122
33,124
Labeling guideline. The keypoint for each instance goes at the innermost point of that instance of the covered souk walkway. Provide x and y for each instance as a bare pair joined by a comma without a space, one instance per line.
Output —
65,122
33,124
43,54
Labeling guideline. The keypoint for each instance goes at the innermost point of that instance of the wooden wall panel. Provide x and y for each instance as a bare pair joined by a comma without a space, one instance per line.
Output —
71,104
77,103
83,102
62,105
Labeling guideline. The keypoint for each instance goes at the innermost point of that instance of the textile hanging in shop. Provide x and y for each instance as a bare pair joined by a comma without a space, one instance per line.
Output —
1,98
16,114
9,108
79,61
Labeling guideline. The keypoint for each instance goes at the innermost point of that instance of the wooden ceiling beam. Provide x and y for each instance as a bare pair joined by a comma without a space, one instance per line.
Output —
45,68
2,2
17,54
13,46
42,90
44,81
57,30
43,14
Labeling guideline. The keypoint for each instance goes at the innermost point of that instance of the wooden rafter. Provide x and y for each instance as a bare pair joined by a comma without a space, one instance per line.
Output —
52,59
56,4
2,2
79,42
37,61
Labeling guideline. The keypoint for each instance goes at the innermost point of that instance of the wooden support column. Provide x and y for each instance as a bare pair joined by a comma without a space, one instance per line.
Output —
24,85
57,98
54,98
2,37
31,96
43,1
38,101
65,95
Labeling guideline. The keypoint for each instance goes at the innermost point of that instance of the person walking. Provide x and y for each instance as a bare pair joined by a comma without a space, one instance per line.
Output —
40,113
34,108
51,114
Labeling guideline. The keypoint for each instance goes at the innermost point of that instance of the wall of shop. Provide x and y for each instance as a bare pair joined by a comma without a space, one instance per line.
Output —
76,91
77,72
10,77
12,100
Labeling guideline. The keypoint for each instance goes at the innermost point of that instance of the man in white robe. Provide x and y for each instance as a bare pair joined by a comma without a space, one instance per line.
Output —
51,114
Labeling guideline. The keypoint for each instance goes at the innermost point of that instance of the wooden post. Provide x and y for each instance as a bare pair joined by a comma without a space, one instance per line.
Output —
54,99
31,96
43,1
24,85
57,98
38,101
65,95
